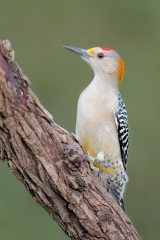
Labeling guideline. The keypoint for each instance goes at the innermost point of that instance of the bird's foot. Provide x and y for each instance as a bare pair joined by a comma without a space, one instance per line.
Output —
99,159
91,163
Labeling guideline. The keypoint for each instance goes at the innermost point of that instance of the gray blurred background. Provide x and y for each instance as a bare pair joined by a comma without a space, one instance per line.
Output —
37,31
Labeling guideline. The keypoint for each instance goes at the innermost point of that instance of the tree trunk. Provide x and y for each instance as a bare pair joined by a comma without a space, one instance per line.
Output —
51,164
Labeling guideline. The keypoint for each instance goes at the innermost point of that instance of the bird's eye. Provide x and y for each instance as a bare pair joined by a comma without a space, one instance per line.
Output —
100,55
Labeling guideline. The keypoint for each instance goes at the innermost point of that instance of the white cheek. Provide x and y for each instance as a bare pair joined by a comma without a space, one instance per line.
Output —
109,66
106,65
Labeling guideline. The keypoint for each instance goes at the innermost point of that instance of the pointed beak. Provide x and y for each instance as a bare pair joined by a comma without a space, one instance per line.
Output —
79,51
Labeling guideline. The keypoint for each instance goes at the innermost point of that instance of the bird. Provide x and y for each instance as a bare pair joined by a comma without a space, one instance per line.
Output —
102,121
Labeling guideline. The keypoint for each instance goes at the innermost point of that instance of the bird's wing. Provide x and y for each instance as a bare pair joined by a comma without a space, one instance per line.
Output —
121,120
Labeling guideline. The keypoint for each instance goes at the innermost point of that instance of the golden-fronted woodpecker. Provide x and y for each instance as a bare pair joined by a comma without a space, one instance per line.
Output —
102,123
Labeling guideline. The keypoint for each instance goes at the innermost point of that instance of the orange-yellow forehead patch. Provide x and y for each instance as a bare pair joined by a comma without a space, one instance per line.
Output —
91,51
120,71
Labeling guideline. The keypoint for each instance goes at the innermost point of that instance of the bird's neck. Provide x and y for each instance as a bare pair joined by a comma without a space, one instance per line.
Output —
107,82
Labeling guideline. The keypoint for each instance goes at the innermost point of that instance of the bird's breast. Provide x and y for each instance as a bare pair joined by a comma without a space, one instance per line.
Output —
95,126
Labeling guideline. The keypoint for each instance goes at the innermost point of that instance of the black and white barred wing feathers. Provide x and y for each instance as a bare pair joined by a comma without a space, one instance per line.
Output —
122,128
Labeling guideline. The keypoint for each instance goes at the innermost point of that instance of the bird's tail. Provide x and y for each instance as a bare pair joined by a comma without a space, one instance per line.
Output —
116,196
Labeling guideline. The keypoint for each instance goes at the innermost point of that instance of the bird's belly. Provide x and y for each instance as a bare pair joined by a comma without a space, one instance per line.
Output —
97,135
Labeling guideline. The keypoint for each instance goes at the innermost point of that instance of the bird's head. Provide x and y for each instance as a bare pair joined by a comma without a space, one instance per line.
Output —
104,61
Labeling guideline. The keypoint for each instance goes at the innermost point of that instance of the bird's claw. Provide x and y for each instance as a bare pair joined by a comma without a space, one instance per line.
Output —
100,158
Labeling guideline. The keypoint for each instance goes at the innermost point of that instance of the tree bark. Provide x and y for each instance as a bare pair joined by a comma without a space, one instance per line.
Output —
51,164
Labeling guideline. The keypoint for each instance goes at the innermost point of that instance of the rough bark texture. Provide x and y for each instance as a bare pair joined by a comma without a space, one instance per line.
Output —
51,164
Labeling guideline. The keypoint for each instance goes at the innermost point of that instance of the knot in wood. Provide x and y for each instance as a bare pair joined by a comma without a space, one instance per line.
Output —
75,158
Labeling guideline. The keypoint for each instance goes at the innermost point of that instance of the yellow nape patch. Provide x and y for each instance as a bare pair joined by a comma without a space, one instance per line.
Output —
91,51
120,71
103,169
